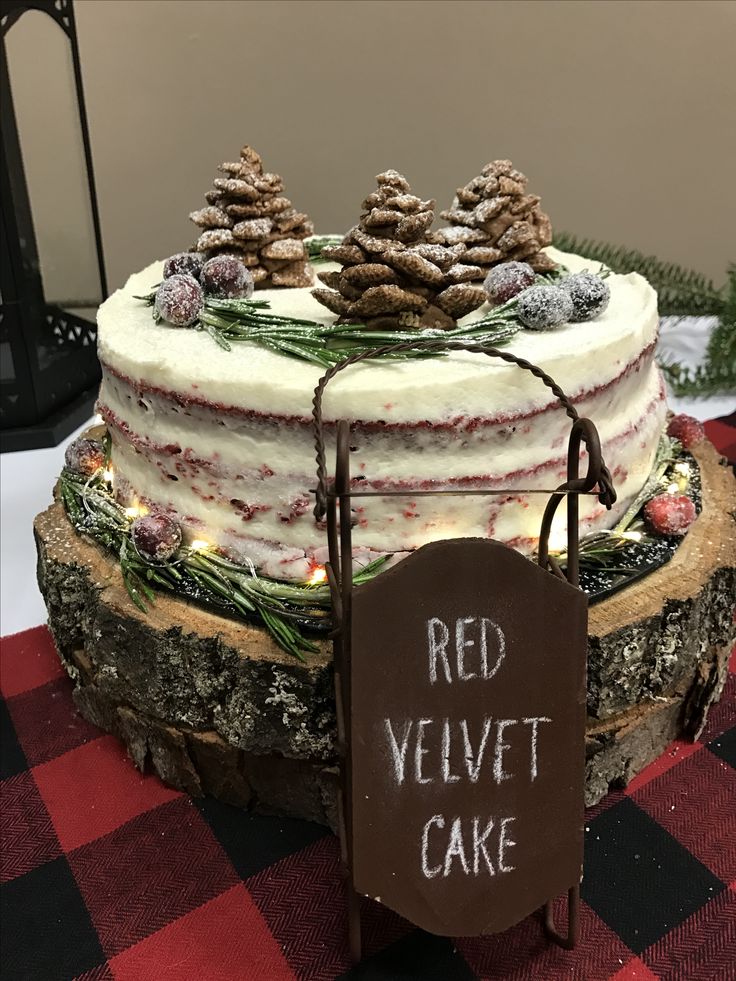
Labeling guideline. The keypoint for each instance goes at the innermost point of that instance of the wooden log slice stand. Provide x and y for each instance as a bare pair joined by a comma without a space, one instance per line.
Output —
214,706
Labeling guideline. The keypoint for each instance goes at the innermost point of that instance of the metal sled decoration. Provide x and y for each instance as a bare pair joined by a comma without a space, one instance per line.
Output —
460,688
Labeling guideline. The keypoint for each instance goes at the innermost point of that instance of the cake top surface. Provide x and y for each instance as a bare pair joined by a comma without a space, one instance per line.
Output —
580,357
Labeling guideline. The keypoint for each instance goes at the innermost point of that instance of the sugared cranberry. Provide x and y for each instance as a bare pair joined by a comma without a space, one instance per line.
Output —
507,280
156,537
226,278
85,456
544,307
669,514
687,429
183,263
179,300
589,294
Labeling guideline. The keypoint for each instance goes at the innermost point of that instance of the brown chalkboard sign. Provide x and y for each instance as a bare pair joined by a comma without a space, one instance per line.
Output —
460,692
467,737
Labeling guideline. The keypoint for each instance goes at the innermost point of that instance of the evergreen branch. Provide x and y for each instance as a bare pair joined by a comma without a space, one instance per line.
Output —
717,374
680,291
667,453
236,320
705,380
325,344
107,447
316,243
286,607
602,550
202,574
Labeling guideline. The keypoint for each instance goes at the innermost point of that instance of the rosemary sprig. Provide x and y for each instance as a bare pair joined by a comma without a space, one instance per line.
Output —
602,549
667,453
283,607
253,321
107,447
681,292
234,321
286,607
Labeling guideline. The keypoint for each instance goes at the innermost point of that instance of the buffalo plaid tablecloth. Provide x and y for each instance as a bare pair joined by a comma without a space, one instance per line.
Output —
108,874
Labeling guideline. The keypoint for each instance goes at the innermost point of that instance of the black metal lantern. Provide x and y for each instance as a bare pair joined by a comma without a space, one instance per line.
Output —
50,372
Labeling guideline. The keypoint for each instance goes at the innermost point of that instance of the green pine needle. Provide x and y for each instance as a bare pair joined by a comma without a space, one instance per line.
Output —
601,550
717,374
681,292
325,344
315,245
280,605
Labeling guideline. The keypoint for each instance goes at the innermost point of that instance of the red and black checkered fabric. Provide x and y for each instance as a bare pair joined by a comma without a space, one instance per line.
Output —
108,874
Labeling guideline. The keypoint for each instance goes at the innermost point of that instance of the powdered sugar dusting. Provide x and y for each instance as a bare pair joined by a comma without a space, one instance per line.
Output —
670,514
544,307
589,293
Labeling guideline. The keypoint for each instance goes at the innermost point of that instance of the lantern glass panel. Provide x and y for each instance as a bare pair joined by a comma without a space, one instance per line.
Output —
7,365
50,136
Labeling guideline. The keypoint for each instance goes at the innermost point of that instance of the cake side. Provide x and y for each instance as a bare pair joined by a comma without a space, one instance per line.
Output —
222,440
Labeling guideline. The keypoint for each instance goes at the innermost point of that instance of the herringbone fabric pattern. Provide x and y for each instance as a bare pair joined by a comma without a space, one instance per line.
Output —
27,834
108,875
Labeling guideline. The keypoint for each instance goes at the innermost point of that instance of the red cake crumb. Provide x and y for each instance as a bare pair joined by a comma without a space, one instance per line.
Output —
248,511
298,507
687,429
670,514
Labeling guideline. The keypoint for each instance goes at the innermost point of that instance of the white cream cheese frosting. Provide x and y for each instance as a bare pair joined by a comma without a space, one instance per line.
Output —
222,439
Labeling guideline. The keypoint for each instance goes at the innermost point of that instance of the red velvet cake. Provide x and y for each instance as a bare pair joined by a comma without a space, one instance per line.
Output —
221,440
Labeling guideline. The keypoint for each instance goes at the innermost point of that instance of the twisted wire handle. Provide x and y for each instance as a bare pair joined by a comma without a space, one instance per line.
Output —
604,482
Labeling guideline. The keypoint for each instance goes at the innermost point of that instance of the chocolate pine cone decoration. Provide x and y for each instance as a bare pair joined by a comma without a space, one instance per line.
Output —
247,216
391,275
498,221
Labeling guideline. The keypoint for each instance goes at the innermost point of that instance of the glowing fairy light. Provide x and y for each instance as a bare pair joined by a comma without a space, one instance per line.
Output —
133,512
199,545
107,475
136,510
632,536
557,541
673,488
683,468
319,575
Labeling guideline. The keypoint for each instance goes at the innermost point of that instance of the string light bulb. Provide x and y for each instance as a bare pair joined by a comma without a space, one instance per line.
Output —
319,575
199,545
136,510
107,475
557,541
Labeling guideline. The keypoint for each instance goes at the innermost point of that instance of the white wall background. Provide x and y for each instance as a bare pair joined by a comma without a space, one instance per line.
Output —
621,113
